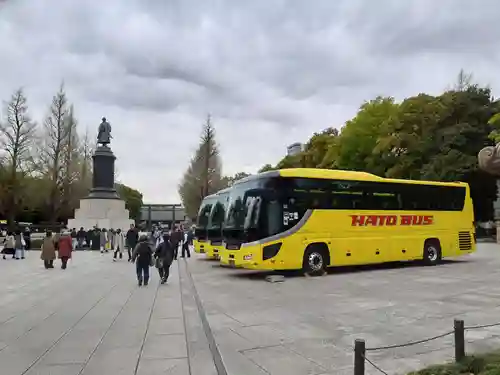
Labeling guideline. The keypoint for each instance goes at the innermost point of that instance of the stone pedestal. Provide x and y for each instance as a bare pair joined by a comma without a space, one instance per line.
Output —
102,207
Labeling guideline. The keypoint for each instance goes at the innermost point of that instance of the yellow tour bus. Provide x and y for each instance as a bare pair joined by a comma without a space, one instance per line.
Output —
200,241
215,222
312,219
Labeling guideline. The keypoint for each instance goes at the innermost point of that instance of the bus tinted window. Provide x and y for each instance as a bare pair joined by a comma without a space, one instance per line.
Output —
367,195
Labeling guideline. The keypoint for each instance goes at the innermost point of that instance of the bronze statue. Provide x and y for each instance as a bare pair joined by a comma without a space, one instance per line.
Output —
104,133
489,159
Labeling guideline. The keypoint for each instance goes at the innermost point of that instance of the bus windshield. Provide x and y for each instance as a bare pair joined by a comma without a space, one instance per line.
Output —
218,211
252,214
204,213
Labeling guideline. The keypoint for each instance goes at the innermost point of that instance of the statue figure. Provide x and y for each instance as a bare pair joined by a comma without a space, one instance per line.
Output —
104,133
489,159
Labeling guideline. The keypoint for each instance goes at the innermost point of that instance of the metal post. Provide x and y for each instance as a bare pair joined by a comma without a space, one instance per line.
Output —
458,326
359,357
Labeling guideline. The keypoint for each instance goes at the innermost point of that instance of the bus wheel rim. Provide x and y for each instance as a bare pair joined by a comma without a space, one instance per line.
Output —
432,253
315,261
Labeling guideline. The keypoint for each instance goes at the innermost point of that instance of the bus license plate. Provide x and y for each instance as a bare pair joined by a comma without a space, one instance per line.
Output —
231,262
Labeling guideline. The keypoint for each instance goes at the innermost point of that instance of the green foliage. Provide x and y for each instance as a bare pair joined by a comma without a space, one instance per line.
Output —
133,200
484,364
265,168
230,180
423,137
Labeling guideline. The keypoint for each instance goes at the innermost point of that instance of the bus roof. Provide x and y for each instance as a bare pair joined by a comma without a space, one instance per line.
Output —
337,174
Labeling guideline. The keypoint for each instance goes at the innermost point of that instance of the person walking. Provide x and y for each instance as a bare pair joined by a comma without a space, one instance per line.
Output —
65,248
48,253
9,245
103,240
81,237
142,256
74,239
185,246
111,239
27,238
175,239
119,243
20,244
164,255
132,238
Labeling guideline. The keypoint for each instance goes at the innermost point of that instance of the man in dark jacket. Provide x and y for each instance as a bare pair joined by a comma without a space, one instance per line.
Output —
142,256
164,255
131,239
176,239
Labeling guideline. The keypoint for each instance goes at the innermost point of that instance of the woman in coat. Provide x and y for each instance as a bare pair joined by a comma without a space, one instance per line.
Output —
103,240
119,244
65,248
20,244
48,253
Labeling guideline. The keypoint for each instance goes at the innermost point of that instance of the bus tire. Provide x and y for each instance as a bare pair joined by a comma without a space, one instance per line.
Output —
432,252
316,259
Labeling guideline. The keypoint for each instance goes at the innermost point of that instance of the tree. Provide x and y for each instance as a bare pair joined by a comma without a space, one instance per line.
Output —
51,152
69,164
230,180
354,149
133,200
203,176
17,133
265,168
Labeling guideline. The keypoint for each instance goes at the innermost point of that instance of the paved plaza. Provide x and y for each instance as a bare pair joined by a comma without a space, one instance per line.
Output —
93,319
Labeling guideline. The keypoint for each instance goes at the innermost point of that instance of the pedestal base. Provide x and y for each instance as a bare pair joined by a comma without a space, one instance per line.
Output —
103,213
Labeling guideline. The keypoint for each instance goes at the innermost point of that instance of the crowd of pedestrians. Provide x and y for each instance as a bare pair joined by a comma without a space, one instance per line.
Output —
159,249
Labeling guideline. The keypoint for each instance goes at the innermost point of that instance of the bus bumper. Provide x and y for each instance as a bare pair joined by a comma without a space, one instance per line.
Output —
200,246
248,258
213,251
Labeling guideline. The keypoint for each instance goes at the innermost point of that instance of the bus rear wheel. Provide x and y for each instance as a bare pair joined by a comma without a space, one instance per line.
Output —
315,261
432,252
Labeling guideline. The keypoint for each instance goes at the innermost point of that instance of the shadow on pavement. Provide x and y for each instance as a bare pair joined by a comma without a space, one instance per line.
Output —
261,275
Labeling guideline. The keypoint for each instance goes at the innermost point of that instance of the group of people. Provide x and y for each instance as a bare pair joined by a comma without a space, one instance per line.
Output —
160,251
16,243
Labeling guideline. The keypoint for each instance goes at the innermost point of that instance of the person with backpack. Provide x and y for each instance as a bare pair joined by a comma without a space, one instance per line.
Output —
142,256
164,255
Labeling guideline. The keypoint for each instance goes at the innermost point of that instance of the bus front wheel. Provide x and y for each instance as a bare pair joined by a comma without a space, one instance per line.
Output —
432,252
315,260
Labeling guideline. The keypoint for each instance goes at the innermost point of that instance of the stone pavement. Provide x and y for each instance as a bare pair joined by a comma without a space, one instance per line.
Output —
89,319
308,325
93,319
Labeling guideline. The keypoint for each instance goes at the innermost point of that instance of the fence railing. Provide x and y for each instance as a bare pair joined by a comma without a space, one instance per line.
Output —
459,328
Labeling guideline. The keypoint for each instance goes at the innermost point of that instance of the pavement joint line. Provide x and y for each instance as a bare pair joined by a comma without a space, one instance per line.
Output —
42,300
107,330
68,297
146,330
217,358
68,330
184,318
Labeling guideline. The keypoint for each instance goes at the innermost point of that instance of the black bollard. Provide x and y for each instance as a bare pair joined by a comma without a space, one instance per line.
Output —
359,357
458,326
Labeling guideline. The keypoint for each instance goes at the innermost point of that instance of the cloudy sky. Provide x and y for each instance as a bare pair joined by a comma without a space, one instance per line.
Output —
271,72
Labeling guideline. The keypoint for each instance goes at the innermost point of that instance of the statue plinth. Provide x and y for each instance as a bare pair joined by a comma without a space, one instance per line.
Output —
103,207
103,178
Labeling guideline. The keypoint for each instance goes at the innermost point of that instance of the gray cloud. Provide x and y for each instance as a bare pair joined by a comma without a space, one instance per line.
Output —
271,72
